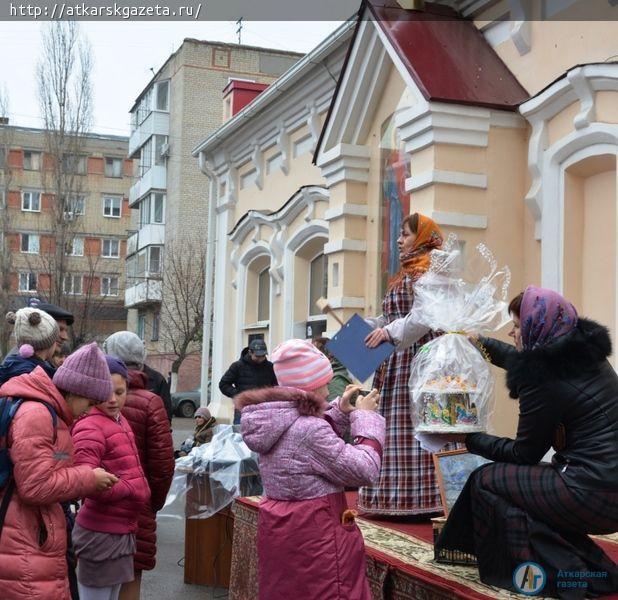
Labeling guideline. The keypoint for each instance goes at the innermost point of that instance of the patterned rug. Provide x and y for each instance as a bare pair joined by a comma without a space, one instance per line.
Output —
400,562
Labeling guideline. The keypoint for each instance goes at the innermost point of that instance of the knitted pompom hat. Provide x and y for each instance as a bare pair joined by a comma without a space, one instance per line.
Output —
85,373
299,364
33,327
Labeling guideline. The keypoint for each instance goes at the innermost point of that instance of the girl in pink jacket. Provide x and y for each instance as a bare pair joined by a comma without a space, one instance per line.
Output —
104,532
308,544
33,547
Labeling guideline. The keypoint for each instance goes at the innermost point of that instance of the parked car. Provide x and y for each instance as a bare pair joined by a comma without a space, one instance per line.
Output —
184,404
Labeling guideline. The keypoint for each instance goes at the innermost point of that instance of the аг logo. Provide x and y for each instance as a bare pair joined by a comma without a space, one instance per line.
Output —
529,578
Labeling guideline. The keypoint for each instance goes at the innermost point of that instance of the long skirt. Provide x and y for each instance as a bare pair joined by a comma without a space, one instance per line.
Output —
512,514
305,551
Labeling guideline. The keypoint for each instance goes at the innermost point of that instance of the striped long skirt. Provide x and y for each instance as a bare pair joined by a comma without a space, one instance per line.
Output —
512,514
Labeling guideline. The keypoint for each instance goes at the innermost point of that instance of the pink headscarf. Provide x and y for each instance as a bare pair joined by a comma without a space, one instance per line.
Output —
544,316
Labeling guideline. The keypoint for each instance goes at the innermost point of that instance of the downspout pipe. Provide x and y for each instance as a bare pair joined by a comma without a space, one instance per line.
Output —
211,244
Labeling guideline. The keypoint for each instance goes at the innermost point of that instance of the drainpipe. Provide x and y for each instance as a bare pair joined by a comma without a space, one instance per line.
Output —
208,291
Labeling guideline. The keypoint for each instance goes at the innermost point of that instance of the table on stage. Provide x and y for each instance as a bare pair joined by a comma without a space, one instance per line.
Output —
399,557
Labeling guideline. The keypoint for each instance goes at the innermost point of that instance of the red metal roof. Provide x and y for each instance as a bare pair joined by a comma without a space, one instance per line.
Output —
447,56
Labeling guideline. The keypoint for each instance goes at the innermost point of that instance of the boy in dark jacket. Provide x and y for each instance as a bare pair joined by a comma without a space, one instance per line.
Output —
252,371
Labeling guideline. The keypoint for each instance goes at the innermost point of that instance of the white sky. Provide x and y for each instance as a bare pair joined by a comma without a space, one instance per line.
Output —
124,52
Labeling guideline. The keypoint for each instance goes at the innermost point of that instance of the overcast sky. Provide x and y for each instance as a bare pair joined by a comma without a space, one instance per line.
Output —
124,53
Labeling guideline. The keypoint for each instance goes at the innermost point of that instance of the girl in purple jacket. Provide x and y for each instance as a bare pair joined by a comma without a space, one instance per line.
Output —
308,543
104,533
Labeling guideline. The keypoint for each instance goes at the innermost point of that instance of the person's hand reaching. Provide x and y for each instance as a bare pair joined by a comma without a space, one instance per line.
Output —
103,479
345,404
369,402
377,337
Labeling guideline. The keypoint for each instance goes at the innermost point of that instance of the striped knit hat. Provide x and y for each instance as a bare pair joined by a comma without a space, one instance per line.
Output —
299,364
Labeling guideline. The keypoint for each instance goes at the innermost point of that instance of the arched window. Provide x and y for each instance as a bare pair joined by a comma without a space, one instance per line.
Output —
318,282
263,308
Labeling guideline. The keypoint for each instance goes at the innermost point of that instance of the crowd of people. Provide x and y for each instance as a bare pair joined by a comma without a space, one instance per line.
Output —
80,426
86,425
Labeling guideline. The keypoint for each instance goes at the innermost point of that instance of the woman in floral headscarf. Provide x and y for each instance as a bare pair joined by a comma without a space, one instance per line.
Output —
407,485
517,510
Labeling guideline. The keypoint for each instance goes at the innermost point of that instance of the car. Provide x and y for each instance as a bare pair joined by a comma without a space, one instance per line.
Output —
184,404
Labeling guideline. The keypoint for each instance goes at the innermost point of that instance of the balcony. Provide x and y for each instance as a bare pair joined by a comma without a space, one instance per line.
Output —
142,293
152,234
153,179
156,122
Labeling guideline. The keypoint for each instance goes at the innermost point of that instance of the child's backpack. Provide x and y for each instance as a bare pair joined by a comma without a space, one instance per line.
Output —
8,408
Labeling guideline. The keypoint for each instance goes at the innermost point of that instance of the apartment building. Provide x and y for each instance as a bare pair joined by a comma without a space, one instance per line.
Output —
199,86
95,223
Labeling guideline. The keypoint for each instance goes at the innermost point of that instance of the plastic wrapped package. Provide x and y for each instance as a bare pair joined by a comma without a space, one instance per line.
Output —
212,475
451,384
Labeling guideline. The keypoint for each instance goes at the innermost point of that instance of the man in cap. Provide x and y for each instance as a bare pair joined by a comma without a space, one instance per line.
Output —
253,370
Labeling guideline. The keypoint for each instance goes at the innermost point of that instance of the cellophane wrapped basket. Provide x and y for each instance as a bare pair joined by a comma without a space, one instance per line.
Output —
451,384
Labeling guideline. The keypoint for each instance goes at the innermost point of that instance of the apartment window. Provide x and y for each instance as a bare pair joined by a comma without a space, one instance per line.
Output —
112,206
72,285
75,207
145,159
75,247
159,142
113,167
32,160
152,209
31,201
264,295
109,286
27,282
155,327
29,243
144,211
158,207
141,325
111,249
318,282
163,93
74,164
154,259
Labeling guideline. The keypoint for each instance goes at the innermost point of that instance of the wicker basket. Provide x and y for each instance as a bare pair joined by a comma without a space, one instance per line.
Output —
448,557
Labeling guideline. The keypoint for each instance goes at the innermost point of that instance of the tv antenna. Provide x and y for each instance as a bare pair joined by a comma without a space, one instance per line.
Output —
239,29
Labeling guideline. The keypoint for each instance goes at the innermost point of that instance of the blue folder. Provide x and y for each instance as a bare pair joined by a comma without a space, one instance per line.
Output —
348,346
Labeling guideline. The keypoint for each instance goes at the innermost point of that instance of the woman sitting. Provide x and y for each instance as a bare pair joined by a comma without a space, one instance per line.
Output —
517,510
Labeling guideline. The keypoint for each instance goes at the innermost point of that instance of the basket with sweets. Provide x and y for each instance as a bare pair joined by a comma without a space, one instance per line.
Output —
451,385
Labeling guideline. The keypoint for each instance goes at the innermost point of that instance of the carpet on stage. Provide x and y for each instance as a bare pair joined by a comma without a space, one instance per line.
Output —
399,556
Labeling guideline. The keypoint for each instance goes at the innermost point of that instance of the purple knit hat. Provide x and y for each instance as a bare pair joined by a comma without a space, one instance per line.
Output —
85,373
116,366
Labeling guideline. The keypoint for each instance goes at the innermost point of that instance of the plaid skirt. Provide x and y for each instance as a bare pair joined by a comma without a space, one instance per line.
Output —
510,514
407,484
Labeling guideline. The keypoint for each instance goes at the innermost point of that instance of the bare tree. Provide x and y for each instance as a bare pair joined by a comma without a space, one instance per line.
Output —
65,100
182,307
6,257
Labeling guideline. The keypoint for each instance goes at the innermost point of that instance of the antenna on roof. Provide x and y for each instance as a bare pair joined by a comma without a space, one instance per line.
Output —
239,30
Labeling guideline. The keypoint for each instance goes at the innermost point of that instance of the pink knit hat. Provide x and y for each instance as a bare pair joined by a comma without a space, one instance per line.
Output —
85,373
299,364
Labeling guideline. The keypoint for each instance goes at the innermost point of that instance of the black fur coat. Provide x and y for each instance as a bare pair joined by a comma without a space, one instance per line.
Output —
567,386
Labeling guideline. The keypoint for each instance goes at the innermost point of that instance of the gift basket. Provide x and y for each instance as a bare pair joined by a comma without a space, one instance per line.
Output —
451,384
212,475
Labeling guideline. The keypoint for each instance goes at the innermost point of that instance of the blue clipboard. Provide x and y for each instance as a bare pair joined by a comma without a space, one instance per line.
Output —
348,346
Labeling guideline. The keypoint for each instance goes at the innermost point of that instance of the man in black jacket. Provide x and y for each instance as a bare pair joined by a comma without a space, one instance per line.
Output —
253,370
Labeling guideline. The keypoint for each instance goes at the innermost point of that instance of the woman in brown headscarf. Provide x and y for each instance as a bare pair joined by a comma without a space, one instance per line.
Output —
407,484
